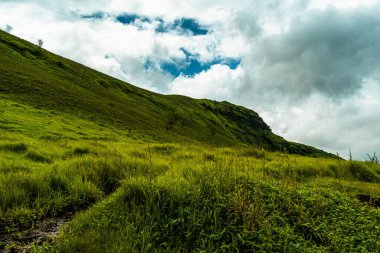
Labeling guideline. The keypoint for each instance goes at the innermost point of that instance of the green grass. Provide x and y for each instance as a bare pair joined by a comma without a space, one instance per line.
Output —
201,214
175,197
76,142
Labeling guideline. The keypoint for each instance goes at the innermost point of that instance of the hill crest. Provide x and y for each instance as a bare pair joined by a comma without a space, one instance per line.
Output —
41,79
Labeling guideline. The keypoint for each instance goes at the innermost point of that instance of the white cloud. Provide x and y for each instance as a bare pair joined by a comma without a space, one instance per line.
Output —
346,4
352,123
219,83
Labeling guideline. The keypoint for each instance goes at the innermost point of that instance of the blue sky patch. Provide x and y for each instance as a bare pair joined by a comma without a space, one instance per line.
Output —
149,64
95,15
188,26
232,63
192,65
130,18
183,25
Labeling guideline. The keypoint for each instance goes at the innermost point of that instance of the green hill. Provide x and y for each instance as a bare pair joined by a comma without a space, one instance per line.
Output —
91,164
43,80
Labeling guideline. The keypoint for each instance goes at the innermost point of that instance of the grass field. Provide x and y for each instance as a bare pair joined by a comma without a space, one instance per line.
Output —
130,194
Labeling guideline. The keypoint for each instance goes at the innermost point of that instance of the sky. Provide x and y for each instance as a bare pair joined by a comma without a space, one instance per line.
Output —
310,68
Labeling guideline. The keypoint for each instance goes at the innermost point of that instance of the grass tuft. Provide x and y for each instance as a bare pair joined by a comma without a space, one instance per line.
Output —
14,147
81,151
37,157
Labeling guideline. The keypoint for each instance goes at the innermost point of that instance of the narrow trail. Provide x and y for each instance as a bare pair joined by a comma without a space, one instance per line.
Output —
24,241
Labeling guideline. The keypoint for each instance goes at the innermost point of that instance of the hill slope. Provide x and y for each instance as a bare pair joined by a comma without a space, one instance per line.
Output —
87,165
40,79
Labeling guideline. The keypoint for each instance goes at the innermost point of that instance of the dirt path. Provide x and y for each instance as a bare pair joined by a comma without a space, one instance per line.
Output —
24,241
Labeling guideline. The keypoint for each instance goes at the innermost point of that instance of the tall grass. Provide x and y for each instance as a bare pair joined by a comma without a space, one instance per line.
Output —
221,207
175,197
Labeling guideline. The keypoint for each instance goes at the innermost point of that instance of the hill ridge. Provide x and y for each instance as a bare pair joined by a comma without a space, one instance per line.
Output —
41,79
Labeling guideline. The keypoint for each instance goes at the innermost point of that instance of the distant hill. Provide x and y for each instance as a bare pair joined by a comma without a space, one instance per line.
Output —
44,80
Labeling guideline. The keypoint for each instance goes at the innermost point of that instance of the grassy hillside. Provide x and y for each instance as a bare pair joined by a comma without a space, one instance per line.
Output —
140,197
36,77
127,170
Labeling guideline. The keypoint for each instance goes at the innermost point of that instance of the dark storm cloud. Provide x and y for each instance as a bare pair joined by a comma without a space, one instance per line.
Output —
329,52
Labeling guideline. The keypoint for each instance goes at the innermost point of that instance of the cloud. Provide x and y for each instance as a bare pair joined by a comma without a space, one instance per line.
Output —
313,80
218,82
187,26
351,124
184,26
329,52
95,15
